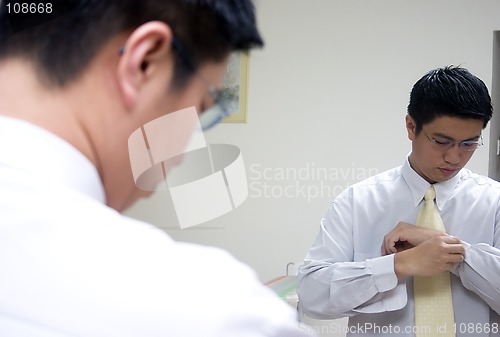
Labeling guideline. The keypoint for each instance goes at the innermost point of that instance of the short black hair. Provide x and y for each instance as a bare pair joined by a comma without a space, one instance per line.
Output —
63,42
449,91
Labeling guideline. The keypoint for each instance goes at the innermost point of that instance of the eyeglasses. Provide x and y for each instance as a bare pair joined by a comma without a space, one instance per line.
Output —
219,110
446,144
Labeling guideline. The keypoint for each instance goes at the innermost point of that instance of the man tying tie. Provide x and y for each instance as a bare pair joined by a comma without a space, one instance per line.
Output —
399,265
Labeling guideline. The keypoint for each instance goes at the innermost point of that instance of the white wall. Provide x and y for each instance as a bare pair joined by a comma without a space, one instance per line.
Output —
330,91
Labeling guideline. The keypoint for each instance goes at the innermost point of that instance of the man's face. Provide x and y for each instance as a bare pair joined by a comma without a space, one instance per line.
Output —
195,94
434,163
176,137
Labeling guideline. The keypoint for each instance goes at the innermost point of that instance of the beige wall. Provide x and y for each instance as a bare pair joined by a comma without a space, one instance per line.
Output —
329,93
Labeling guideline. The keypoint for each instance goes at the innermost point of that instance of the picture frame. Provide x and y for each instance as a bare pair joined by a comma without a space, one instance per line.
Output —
235,88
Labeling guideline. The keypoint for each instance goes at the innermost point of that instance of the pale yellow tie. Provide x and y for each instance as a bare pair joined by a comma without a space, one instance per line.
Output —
433,303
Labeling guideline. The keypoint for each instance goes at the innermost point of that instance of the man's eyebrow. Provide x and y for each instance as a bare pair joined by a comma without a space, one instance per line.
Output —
442,135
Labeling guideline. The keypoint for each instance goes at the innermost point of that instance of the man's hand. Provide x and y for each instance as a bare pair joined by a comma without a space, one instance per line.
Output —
405,236
431,257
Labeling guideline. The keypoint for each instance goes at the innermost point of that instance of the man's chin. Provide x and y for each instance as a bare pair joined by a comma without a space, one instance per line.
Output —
443,175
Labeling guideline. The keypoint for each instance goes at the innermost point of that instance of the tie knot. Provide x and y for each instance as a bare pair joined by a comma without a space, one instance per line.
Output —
430,194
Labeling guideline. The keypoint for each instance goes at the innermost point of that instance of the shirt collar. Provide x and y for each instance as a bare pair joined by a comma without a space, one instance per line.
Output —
418,185
34,150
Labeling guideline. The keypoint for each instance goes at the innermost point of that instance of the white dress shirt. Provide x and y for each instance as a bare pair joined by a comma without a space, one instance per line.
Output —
71,266
345,275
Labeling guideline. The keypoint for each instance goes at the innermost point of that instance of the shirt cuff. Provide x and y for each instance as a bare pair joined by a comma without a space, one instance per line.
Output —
392,292
383,272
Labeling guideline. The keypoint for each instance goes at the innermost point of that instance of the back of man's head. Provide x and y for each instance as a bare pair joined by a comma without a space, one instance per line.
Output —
61,37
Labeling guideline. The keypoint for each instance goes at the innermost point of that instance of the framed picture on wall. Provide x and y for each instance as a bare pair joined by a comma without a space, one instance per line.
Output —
234,88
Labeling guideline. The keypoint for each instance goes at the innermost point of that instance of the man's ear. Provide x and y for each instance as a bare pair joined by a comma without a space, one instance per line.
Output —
411,127
147,48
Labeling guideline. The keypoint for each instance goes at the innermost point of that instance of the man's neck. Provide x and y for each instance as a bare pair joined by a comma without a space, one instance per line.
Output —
24,96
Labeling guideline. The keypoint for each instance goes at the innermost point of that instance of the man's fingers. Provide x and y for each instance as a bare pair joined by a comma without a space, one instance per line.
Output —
388,247
450,239
456,248
456,258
